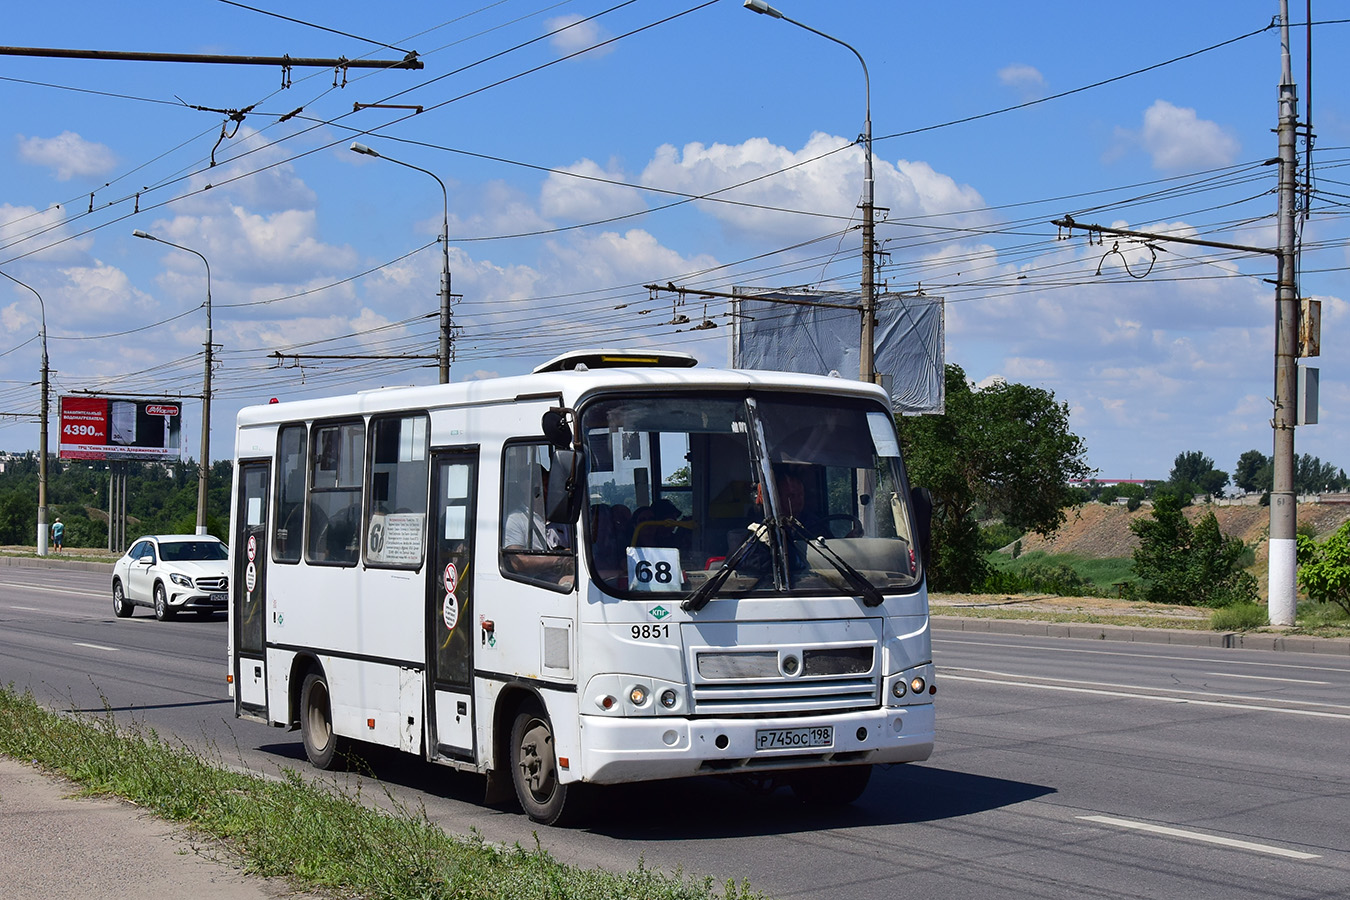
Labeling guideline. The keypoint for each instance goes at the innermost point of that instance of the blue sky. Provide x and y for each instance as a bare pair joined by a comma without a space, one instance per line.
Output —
317,250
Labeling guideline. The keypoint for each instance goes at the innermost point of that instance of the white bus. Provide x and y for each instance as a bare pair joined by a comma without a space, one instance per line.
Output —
618,568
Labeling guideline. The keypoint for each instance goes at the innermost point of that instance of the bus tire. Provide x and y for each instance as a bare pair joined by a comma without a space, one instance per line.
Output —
534,766
830,786
322,745
122,607
162,611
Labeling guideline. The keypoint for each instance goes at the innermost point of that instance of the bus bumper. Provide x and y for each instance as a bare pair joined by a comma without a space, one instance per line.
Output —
617,750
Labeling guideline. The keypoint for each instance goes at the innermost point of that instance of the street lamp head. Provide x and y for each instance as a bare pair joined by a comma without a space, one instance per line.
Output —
358,147
141,234
762,8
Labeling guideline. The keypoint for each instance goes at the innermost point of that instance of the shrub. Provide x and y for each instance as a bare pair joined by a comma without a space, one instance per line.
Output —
1239,617
1190,564
1324,569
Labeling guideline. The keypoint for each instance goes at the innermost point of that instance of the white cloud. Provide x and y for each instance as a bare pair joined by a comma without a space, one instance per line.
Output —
824,177
582,199
1176,138
245,246
1026,80
573,35
68,155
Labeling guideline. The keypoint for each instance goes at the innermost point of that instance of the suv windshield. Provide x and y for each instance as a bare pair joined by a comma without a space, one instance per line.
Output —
788,493
184,551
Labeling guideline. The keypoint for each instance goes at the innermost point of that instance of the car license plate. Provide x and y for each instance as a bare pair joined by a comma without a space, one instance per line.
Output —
787,738
218,597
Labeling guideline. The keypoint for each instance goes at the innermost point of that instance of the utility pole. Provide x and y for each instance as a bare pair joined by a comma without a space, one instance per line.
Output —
1283,583
1283,499
867,349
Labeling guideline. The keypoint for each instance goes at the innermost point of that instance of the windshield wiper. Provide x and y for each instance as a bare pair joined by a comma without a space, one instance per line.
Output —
857,580
705,591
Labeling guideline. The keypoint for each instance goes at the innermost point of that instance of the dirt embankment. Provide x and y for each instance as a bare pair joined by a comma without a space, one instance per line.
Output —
1097,531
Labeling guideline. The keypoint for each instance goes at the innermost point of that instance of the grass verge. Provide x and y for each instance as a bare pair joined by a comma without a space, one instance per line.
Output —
316,836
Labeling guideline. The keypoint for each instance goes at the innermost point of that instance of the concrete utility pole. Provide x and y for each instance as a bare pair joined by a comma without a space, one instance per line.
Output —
1283,499
1283,583
867,349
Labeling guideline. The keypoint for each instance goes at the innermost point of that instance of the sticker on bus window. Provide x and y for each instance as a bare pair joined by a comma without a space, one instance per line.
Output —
883,434
654,569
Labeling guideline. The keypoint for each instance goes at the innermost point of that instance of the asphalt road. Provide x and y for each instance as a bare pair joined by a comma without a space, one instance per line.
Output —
1063,769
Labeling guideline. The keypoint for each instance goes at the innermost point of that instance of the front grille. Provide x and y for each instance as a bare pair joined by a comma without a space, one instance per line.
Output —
784,697
756,682
217,583
837,661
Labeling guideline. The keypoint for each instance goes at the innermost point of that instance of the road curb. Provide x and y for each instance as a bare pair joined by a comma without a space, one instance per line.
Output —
1230,640
35,562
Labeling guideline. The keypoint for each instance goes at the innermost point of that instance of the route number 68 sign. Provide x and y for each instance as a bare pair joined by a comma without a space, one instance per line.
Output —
654,569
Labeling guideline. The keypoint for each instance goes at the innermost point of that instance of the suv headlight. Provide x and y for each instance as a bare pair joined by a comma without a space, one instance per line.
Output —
180,579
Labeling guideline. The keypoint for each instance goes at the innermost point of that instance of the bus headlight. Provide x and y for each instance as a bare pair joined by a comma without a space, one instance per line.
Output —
917,684
669,698
638,695
898,689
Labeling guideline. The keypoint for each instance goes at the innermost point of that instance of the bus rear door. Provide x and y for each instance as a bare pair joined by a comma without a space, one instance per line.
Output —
248,594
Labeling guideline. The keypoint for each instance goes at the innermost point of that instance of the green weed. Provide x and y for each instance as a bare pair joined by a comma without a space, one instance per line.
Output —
314,834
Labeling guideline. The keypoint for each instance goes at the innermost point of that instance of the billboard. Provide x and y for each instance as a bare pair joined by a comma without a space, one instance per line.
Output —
114,428
817,332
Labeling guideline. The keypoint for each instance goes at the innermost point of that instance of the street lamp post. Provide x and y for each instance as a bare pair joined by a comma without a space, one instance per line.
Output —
443,350
42,428
205,464
867,350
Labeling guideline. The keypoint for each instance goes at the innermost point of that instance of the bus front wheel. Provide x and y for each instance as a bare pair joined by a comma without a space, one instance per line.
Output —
534,766
316,722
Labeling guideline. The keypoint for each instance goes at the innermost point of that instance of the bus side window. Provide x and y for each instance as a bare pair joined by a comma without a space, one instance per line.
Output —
532,549
337,464
290,512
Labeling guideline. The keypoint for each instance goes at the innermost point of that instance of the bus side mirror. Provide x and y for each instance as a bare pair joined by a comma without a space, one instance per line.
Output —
556,426
921,501
562,506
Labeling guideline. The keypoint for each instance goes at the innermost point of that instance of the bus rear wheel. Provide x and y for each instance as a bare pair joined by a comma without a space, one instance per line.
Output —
534,767
322,744
831,786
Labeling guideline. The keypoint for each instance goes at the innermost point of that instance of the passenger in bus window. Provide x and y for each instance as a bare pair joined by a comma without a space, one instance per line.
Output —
536,548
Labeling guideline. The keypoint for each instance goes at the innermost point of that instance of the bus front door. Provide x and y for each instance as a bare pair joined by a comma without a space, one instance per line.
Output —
450,606
248,592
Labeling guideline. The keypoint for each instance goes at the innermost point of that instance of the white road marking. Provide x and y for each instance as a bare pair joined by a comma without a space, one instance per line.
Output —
1266,678
1135,695
27,608
1200,836
96,647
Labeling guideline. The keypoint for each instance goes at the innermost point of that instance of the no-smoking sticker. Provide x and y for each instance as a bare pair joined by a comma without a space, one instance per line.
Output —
252,547
451,580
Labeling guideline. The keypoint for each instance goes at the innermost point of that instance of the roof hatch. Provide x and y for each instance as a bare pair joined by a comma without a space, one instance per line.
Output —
616,359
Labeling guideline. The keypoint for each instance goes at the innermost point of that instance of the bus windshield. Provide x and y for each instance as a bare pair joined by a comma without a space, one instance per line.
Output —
771,493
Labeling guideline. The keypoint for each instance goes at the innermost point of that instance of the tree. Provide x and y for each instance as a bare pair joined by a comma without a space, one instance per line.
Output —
1194,472
1324,569
1005,450
1253,472
1191,564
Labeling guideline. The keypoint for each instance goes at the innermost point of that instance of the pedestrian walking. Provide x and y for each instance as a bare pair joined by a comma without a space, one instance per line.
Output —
58,533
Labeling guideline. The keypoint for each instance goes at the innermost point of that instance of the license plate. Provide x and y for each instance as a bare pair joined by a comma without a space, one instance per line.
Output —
787,738
218,597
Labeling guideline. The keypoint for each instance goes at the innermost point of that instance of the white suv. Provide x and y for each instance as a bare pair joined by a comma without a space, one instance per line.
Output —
171,573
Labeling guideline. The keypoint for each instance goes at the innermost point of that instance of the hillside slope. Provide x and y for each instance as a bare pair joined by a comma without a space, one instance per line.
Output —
1097,532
